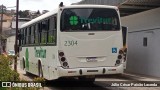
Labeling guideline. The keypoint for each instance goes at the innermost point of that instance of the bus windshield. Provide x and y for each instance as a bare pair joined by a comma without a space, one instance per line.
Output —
89,19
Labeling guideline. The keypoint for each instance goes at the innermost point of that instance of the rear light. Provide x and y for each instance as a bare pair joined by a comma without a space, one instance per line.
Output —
61,54
119,56
118,61
120,52
65,64
63,60
125,50
125,54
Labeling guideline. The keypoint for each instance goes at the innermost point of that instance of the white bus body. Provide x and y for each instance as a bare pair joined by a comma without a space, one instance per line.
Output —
75,52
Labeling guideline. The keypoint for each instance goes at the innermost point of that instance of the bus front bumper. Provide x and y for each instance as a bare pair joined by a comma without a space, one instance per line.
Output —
90,71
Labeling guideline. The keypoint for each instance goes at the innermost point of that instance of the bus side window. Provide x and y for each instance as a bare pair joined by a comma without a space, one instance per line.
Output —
44,31
25,36
52,30
39,31
22,36
55,22
29,35
32,34
36,34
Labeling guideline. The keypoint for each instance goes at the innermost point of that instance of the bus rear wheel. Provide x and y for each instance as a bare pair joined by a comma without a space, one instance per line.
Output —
24,67
40,71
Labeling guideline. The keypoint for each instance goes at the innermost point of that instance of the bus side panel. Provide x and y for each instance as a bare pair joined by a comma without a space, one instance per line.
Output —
47,55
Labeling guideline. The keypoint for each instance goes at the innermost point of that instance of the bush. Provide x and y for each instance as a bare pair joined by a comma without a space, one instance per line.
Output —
39,79
6,74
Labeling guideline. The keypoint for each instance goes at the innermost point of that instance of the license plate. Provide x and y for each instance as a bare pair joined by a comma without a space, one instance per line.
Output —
91,59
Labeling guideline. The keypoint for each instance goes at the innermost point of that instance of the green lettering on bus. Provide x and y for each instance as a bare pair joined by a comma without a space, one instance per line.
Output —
41,53
27,59
74,20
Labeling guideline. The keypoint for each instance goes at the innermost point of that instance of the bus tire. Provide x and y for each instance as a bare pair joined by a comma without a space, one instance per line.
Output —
27,73
40,71
86,79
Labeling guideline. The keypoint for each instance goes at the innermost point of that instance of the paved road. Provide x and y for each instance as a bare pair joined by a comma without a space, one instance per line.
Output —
101,82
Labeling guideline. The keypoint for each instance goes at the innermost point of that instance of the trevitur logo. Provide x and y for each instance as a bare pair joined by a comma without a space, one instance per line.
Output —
74,20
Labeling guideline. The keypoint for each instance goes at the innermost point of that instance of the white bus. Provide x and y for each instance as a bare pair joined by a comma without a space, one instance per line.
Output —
73,41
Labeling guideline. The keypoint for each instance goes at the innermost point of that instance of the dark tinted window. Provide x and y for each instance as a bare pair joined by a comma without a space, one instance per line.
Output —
99,19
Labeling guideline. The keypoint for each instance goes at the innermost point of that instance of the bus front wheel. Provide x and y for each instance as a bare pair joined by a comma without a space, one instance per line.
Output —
23,64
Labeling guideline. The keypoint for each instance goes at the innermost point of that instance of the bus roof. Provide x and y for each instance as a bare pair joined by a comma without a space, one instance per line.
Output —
71,6
40,18
91,6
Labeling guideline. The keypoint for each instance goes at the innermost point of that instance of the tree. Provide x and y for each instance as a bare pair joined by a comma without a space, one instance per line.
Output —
38,12
20,13
26,13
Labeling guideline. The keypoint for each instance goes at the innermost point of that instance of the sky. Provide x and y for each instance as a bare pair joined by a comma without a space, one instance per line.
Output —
35,5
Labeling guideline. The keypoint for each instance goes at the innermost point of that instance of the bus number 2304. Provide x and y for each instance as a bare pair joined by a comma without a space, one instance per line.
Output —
70,43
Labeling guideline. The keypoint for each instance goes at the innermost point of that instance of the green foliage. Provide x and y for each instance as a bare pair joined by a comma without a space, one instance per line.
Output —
51,39
24,14
11,59
6,74
39,79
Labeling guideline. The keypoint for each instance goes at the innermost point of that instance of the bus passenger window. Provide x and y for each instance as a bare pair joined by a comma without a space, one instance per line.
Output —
25,36
36,34
29,35
52,30
32,34
44,32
